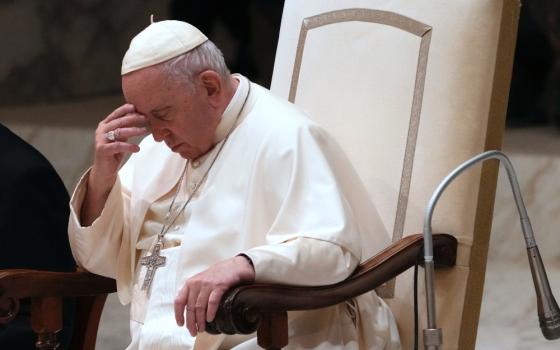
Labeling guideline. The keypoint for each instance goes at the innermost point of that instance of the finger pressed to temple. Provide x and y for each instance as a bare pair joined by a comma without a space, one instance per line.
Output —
119,112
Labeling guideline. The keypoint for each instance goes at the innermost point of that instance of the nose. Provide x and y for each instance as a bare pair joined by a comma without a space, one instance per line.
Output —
158,132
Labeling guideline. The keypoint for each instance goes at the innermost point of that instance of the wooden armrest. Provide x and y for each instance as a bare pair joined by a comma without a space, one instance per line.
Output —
46,290
241,308
17,284
20,284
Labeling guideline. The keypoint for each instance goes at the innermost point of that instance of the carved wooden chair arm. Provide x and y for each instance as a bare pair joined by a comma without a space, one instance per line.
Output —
20,284
247,308
46,290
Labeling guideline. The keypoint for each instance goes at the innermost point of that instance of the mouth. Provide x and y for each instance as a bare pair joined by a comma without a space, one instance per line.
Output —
176,147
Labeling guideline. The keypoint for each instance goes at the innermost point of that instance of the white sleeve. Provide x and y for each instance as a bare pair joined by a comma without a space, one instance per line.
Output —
302,261
96,247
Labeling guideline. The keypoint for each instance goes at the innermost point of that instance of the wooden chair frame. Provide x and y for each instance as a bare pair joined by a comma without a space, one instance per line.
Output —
243,310
46,289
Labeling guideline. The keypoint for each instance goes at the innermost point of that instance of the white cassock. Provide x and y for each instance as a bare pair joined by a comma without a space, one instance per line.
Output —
281,191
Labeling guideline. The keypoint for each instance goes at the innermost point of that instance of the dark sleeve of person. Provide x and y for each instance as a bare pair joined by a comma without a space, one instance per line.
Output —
33,230
34,219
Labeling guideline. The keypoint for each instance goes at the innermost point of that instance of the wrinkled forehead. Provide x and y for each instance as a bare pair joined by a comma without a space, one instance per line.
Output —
149,89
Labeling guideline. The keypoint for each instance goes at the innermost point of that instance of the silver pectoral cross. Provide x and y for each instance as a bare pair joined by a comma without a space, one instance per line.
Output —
152,262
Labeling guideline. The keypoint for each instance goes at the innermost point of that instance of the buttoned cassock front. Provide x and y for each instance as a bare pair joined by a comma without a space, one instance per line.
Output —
279,184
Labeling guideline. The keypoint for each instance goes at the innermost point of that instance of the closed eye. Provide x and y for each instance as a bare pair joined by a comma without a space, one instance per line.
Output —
162,117
161,113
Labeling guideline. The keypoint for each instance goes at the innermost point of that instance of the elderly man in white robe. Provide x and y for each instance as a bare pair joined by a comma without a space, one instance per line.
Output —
244,188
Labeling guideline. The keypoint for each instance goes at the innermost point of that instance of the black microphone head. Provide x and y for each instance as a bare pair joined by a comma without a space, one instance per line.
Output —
550,326
547,307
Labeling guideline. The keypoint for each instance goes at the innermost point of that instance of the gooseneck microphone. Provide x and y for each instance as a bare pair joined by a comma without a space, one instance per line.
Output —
548,311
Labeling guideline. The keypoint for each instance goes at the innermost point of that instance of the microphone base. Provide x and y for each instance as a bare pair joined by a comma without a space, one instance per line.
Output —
433,338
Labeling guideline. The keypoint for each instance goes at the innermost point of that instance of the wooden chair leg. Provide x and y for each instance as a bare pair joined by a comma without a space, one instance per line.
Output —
46,321
88,313
272,333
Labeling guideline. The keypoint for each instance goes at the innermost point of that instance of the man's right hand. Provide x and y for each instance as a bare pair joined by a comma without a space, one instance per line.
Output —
125,123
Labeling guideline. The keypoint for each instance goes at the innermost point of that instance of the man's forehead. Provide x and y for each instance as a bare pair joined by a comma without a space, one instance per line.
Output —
148,104
145,83
151,90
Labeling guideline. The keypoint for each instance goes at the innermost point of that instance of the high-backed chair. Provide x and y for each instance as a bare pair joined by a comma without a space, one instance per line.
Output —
409,89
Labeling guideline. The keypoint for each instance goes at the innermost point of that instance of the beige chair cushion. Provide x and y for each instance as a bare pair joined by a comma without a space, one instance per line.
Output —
410,89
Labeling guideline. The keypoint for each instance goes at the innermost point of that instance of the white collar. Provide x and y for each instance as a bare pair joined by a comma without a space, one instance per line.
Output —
233,109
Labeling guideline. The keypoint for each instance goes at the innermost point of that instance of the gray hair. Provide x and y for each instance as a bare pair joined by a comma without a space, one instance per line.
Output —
186,67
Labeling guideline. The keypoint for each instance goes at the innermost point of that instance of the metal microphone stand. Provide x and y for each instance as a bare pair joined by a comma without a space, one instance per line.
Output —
548,311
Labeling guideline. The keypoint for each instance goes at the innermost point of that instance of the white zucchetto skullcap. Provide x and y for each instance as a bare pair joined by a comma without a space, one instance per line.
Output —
159,42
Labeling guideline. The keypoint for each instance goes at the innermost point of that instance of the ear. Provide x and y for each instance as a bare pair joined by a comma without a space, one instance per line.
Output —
211,82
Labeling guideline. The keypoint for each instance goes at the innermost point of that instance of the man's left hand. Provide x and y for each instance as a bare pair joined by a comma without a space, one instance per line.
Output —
201,294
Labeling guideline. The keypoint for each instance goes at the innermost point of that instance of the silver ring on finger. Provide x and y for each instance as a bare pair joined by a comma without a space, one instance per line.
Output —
111,136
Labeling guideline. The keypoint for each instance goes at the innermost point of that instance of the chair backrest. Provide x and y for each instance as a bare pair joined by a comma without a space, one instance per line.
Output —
410,89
